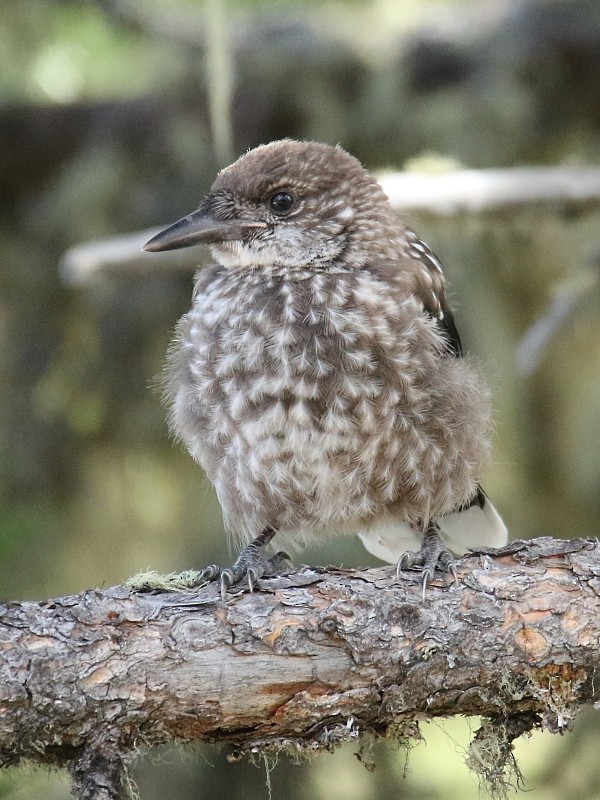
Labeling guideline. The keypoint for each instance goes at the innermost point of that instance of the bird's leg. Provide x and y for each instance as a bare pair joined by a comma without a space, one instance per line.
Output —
433,555
252,563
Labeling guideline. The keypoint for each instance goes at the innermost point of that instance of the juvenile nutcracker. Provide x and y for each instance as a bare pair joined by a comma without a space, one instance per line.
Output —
319,377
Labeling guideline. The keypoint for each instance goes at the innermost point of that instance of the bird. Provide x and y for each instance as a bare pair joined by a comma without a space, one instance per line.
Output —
319,378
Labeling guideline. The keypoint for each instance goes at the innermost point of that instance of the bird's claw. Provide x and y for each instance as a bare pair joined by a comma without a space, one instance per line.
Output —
228,578
252,564
209,573
433,557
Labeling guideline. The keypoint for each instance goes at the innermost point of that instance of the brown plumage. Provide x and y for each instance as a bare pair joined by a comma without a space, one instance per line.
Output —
318,377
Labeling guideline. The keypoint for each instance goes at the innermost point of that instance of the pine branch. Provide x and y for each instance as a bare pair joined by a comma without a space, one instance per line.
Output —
310,660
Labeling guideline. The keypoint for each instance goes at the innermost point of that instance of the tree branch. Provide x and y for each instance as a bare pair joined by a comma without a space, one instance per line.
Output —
485,191
312,659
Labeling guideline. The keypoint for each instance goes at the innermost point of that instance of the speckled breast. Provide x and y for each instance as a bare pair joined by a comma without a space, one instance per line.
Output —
306,397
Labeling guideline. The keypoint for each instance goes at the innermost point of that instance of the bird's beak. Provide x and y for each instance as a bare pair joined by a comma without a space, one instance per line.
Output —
200,227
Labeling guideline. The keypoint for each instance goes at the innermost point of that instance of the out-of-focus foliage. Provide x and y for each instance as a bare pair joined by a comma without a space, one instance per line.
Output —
62,52
105,128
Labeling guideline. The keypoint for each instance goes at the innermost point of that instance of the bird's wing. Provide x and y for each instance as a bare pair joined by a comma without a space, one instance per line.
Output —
433,295
476,522
448,326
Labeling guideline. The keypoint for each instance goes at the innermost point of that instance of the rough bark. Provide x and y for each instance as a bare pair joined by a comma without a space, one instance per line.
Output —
309,660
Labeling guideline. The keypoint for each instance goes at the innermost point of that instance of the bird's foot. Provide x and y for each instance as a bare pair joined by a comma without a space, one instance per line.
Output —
252,563
433,555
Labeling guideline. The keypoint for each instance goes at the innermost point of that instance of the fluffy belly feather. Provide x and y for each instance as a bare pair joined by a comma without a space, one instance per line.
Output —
311,409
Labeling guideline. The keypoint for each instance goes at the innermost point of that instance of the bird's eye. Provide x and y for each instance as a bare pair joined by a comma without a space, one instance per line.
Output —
281,203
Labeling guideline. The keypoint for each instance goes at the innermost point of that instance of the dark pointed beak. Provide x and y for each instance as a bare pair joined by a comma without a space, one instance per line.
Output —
199,227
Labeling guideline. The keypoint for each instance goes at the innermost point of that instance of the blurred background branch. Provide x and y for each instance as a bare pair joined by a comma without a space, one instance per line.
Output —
568,299
564,190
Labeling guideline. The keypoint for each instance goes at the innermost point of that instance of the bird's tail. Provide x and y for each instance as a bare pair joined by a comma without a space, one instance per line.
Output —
475,524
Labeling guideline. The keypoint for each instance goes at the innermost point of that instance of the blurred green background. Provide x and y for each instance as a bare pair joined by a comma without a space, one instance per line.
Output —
115,116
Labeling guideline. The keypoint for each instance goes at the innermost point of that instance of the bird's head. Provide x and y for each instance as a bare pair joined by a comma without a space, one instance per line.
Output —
290,204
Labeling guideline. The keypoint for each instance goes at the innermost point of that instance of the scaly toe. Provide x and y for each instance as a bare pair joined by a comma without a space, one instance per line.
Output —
210,573
409,560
